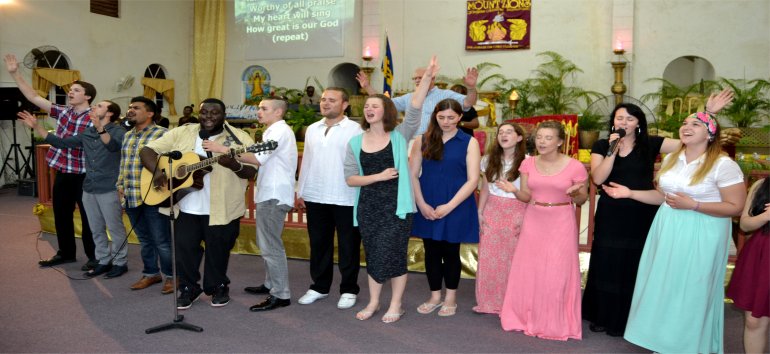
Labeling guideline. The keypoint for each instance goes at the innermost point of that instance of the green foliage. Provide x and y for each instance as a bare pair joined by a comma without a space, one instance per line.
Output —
751,101
291,95
668,91
301,117
590,121
552,89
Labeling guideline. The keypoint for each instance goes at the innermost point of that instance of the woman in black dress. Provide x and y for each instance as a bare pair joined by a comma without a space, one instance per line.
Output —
376,162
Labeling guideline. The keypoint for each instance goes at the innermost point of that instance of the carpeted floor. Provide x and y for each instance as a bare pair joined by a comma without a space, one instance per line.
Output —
54,310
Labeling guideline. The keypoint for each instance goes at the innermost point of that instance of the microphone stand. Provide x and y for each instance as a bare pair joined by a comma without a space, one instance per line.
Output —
178,322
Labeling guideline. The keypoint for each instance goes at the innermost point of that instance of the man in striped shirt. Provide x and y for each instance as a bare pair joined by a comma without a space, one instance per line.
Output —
69,164
152,228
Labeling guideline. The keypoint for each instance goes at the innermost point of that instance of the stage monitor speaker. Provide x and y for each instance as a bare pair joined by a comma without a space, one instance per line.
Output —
12,101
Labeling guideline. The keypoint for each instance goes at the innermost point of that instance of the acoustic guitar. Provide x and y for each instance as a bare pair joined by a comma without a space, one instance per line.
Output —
188,173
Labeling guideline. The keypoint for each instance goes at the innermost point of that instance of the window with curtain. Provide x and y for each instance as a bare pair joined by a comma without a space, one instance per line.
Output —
54,59
156,71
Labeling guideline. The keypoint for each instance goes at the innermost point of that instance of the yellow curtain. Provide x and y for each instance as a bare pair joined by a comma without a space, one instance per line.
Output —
208,50
43,78
165,87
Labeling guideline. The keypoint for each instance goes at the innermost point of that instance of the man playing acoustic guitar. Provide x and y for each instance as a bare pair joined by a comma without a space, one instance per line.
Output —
212,213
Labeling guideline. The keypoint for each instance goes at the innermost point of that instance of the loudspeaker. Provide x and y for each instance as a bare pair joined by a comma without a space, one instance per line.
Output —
12,101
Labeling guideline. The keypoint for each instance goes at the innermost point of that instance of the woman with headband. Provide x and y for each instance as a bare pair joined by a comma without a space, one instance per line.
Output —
677,304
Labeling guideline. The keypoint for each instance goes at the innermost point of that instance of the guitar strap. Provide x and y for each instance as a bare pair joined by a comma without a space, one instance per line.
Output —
235,138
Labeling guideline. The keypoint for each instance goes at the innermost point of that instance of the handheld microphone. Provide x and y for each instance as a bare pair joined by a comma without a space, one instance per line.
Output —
204,135
614,144
174,155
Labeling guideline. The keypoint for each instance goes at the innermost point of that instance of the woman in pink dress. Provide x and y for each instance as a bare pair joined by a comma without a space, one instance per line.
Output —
542,297
500,217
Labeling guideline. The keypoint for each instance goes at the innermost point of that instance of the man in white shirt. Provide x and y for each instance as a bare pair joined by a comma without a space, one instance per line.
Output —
274,198
328,201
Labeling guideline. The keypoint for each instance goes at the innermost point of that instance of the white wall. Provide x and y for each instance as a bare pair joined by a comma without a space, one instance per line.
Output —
102,48
733,35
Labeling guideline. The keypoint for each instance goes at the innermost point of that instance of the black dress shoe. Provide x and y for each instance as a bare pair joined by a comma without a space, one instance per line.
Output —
257,290
98,270
596,328
91,264
55,260
116,271
270,303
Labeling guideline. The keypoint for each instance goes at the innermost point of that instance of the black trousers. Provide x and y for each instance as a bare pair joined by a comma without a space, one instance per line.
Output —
190,230
442,264
68,192
322,221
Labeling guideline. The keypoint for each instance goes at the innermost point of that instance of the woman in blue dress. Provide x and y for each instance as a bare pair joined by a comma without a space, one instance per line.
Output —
444,165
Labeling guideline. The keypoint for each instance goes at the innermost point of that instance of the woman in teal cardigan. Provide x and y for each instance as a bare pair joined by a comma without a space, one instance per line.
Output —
377,163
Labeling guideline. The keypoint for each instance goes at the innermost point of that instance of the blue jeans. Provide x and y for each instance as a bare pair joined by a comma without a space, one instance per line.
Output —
154,232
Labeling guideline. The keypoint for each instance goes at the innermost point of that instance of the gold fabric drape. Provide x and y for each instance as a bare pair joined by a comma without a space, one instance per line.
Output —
165,87
43,78
208,50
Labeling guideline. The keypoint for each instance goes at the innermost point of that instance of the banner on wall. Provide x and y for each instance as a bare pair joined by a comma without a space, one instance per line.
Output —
498,24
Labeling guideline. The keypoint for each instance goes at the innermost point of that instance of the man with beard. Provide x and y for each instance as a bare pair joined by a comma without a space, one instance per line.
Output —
328,200
151,227
101,146
69,164
211,214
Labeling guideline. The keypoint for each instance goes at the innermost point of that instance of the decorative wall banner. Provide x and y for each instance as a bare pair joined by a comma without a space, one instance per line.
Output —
256,84
498,24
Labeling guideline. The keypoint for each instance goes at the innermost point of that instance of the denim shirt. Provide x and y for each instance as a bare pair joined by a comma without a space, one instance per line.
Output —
102,161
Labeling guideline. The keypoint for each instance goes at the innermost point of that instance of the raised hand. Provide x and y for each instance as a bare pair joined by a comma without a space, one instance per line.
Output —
362,79
98,124
718,101
471,76
432,69
11,64
28,119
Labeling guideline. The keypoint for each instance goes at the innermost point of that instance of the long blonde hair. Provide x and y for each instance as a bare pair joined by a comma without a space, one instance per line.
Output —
713,153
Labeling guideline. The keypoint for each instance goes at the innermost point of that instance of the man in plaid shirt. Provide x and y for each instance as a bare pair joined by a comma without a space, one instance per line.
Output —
69,164
152,228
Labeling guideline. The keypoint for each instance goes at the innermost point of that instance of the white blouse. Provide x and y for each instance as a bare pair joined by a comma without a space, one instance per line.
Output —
493,189
724,173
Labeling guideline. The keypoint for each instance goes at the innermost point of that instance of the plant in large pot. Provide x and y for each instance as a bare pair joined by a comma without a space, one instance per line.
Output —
589,126
299,119
751,102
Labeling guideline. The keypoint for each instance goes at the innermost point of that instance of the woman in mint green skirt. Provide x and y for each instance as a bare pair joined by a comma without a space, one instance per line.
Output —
678,298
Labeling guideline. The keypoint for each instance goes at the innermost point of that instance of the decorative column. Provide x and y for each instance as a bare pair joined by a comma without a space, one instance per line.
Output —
618,65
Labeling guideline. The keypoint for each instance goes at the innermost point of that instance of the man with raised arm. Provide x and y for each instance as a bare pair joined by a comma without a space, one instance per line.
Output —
435,95
68,163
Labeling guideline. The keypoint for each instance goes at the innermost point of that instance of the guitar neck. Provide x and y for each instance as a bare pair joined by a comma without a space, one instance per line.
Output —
212,160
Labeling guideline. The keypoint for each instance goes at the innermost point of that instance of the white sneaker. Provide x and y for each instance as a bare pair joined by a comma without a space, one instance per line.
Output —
347,301
311,296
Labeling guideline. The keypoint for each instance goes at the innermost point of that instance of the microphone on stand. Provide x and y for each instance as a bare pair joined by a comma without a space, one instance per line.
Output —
174,155
614,144
204,135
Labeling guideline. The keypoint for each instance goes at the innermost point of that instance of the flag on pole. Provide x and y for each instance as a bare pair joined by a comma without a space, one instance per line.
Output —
387,70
